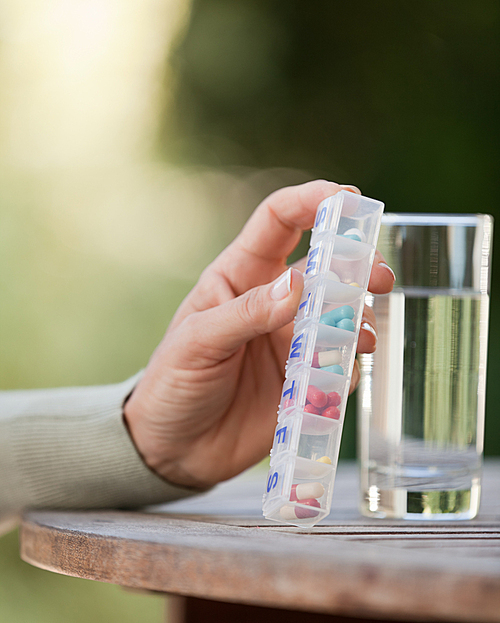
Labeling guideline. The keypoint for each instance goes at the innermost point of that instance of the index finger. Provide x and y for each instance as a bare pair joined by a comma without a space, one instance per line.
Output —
382,276
273,231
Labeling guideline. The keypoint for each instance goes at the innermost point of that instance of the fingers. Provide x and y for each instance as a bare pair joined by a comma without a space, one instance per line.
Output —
367,341
382,276
274,229
216,334
272,233
355,378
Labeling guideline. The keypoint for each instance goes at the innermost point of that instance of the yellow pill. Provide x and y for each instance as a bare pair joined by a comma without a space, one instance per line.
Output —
324,459
356,285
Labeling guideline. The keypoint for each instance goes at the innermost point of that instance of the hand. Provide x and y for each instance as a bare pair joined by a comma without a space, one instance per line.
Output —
205,409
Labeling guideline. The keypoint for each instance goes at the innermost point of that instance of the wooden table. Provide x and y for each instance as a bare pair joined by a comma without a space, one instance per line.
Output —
232,564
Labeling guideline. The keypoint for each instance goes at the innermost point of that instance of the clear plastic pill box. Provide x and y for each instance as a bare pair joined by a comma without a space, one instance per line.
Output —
318,372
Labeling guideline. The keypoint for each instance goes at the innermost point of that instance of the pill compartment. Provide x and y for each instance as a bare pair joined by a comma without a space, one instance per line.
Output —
351,261
349,214
298,381
317,440
302,501
360,218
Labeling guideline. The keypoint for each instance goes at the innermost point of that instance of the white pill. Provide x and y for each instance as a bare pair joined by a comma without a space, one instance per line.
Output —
309,490
329,358
333,276
355,232
287,512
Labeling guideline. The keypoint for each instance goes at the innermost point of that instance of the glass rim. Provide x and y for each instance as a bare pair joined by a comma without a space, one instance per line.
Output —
423,219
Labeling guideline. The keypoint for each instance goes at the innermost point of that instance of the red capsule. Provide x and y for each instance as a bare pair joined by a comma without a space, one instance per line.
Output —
315,361
333,399
309,408
316,396
331,412
304,513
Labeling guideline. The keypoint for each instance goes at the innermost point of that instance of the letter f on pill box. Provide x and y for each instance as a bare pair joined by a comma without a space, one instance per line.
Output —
318,372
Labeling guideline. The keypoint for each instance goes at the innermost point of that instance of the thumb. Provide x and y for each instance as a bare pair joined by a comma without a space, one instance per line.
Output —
217,333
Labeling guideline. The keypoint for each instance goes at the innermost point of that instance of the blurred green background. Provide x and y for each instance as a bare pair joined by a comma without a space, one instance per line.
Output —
122,121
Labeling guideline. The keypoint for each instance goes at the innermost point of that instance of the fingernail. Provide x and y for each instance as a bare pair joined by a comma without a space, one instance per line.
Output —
283,286
368,327
351,188
384,265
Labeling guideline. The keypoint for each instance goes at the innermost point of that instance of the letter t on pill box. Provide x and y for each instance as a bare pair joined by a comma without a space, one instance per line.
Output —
304,456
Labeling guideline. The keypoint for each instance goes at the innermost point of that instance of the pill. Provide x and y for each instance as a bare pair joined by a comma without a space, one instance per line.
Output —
289,512
316,397
306,490
331,412
355,234
334,399
353,283
346,323
333,276
324,459
309,408
288,403
325,358
335,369
304,513
335,316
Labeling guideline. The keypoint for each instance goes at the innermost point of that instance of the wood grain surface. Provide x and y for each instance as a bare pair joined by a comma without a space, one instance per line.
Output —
218,547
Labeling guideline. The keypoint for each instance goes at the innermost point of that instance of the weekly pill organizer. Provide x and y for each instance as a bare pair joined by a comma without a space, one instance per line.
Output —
318,371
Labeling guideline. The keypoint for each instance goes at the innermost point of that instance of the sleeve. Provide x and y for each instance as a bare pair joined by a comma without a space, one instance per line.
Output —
69,448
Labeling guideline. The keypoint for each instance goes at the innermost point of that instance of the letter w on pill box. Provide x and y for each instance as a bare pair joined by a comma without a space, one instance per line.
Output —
306,443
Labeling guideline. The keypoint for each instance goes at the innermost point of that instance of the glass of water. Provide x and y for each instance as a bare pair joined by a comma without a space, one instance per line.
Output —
422,393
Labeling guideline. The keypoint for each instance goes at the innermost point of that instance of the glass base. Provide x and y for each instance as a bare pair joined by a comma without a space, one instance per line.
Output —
433,505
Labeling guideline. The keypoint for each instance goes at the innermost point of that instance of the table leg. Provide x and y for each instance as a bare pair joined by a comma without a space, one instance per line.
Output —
193,610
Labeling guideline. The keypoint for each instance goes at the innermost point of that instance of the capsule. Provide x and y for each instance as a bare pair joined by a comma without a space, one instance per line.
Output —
326,358
316,397
310,408
306,491
335,316
331,412
334,399
290,512
334,369
346,323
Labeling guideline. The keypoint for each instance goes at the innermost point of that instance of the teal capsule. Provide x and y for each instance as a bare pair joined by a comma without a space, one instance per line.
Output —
353,237
336,369
347,324
335,316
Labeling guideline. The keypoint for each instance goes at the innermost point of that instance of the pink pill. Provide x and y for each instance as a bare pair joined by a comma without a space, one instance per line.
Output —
288,403
331,412
315,361
316,396
334,399
309,408
304,513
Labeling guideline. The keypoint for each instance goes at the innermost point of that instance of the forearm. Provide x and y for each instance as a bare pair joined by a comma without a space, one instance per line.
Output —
69,448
